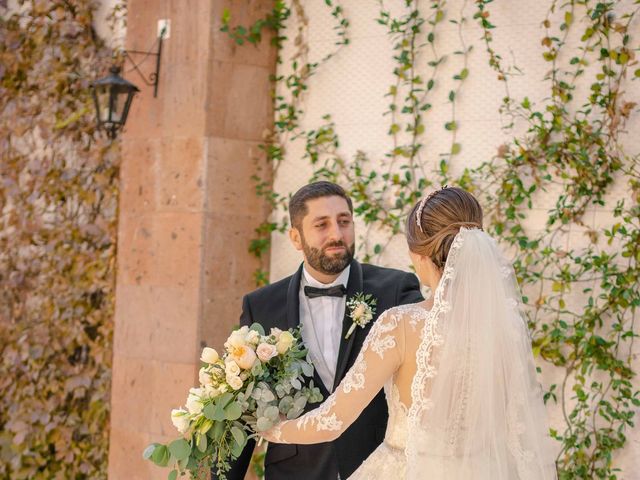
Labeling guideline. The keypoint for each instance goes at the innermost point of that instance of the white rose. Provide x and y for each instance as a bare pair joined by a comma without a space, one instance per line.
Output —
194,402
266,352
284,342
232,368
234,382
209,355
204,377
253,337
276,332
180,419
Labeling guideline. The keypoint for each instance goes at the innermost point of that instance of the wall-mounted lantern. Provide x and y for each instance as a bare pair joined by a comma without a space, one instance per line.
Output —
113,94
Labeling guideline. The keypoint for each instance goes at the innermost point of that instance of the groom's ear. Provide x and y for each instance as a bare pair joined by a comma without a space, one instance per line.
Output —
295,237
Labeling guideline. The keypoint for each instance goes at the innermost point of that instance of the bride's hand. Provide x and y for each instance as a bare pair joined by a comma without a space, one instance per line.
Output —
274,434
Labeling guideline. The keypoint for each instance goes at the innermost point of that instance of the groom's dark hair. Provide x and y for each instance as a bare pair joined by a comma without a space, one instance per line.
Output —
298,202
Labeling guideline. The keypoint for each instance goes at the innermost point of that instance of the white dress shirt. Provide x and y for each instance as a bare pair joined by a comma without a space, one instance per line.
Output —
321,319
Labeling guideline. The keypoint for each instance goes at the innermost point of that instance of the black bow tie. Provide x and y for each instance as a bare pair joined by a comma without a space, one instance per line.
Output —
335,291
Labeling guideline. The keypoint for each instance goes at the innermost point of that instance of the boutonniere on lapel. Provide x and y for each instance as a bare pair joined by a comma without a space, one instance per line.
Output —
362,308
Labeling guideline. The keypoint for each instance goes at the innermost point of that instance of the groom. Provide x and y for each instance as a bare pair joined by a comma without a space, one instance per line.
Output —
315,297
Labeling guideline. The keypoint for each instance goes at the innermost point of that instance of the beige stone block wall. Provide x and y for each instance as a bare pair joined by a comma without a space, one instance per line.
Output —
187,213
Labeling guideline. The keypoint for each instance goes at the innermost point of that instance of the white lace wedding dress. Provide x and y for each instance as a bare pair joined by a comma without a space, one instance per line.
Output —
459,378
389,459
381,362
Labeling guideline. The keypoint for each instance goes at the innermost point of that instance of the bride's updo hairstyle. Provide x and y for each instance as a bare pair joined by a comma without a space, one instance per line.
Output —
434,222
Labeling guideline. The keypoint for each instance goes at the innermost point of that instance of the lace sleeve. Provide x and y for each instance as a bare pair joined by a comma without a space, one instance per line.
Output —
381,355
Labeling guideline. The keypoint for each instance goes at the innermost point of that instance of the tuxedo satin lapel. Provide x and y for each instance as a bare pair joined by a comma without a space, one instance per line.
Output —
293,300
354,286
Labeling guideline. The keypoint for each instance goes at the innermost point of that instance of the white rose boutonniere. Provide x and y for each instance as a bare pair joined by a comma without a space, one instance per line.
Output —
362,308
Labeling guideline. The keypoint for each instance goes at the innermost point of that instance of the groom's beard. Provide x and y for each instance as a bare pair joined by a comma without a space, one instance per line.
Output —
328,264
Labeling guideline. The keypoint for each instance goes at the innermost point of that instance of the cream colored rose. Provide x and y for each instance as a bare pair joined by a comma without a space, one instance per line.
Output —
180,419
359,311
284,342
194,401
244,356
234,382
253,337
209,355
266,352
232,368
276,332
236,339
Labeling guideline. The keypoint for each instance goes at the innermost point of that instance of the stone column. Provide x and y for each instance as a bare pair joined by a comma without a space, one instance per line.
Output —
187,213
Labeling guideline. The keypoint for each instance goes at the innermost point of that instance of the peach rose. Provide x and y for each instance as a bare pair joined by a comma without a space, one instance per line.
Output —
266,352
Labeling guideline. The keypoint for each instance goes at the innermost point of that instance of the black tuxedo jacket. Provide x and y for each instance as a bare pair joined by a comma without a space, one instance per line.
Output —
278,305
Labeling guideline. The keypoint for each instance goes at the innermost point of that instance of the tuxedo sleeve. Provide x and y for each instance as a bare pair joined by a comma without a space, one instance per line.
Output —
408,290
240,465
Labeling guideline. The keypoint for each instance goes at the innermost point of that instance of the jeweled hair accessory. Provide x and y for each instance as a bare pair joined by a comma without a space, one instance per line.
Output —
422,204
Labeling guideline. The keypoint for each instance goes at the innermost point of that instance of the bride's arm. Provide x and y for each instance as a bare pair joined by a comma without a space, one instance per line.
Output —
381,355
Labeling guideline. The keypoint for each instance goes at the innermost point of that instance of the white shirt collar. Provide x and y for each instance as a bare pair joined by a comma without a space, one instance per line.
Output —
343,279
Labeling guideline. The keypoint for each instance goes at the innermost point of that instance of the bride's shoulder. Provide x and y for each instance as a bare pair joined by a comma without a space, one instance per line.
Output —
412,314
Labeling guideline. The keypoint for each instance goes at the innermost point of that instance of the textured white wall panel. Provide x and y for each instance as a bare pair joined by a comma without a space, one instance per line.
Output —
351,87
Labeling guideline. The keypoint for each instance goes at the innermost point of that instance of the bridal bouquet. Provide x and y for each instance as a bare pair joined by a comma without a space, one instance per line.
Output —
258,378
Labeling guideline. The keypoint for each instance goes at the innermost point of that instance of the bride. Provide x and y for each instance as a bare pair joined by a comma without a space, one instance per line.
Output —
457,370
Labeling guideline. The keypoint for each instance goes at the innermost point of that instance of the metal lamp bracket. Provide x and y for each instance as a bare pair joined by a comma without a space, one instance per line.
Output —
152,78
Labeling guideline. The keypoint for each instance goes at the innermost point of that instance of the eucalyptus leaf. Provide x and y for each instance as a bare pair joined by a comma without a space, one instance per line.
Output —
272,413
180,449
160,456
217,431
149,451
256,327
209,411
233,411
263,424
239,436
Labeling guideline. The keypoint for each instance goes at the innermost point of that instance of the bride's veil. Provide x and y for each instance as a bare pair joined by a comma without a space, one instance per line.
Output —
477,409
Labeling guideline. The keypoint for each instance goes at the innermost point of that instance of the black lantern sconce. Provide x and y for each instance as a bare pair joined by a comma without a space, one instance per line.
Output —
113,94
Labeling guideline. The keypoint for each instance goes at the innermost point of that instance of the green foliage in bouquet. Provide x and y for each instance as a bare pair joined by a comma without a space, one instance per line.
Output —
259,380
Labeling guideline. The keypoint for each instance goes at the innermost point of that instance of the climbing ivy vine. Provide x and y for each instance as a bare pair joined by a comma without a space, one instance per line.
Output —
581,301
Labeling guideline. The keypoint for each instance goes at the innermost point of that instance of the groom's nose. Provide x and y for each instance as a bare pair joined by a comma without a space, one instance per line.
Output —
334,233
